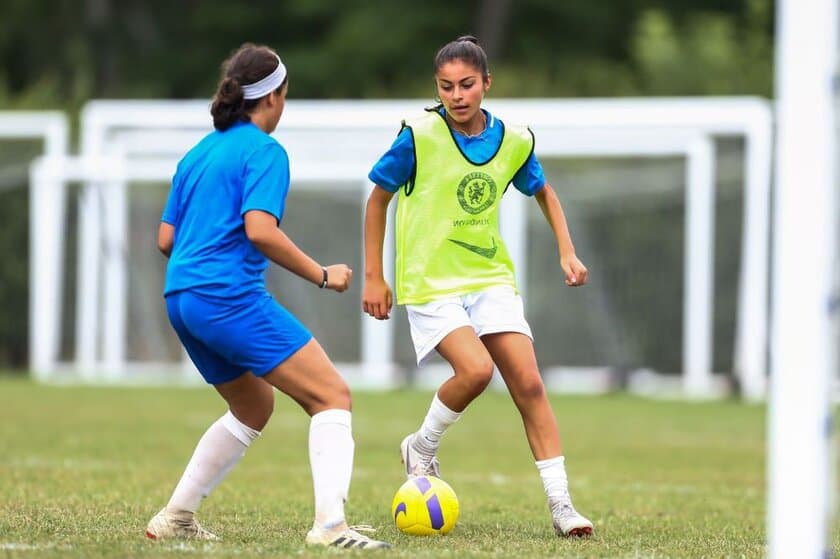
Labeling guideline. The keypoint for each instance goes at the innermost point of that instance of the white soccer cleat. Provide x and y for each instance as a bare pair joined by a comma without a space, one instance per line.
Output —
416,464
165,526
345,537
567,521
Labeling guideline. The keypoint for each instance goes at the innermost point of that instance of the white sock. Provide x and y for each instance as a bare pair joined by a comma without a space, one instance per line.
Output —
218,451
331,449
437,421
555,482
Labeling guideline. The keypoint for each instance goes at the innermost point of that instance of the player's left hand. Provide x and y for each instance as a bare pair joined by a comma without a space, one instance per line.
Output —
576,272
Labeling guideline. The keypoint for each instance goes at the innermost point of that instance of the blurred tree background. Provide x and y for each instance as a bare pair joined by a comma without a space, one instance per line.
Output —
58,54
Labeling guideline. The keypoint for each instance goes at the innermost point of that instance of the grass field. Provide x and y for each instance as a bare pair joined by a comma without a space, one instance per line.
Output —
83,468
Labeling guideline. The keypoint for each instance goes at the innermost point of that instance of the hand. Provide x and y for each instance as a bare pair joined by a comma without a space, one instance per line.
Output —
576,272
377,299
338,277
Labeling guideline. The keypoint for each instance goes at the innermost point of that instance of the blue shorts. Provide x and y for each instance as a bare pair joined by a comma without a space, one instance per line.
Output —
226,338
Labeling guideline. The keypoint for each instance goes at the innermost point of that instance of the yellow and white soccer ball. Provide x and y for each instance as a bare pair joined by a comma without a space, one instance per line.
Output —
425,506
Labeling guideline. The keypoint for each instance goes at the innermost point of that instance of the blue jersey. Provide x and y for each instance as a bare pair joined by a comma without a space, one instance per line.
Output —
220,179
395,167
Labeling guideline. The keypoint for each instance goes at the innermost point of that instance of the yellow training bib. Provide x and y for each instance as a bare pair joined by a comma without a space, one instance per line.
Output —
447,227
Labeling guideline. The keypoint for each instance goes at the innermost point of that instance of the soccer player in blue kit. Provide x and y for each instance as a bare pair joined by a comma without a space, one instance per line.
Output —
219,228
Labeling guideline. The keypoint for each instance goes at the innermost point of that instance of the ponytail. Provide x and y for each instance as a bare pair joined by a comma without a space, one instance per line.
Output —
228,104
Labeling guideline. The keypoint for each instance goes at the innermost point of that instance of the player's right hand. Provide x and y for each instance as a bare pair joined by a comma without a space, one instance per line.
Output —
377,299
338,277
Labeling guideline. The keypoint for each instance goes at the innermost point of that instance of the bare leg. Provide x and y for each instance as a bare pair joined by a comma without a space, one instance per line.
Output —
250,399
311,380
472,367
514,354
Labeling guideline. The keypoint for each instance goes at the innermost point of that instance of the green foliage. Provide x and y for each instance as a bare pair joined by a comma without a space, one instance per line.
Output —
75,51
708,55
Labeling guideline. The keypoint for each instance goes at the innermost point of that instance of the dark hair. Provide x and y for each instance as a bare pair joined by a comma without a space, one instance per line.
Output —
248,64
465,48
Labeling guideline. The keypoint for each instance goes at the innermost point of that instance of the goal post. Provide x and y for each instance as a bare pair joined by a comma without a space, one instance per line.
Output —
801,426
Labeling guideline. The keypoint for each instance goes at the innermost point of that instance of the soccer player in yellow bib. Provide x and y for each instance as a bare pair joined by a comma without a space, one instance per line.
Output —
451,167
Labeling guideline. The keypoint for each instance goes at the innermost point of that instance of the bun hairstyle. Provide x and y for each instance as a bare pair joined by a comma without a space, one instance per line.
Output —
466,49
247,65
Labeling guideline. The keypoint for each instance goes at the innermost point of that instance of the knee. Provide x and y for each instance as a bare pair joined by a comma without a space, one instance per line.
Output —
341,397
258,411
530,388
335,396
479,373
265,410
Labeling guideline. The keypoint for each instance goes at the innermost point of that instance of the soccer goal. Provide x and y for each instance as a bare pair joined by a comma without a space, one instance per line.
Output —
667,199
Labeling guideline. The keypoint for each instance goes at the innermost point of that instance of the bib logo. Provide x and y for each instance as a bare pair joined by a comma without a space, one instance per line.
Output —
476,192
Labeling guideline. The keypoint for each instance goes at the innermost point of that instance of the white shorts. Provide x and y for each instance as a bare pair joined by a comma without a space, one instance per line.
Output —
493,310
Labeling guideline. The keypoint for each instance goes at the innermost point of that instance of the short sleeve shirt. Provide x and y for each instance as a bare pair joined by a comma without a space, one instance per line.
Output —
224,176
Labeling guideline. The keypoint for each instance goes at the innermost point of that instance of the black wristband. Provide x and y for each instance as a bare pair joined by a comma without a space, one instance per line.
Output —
324,281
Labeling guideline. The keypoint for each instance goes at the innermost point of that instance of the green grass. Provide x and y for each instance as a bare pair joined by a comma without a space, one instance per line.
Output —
82,469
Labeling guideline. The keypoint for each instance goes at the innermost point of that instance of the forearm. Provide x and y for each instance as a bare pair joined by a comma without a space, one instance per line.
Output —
553,212
281,250
375,220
